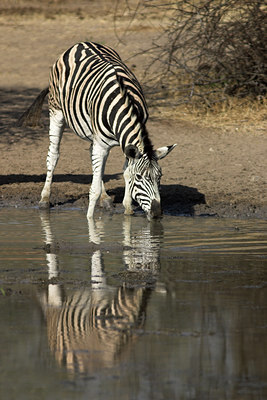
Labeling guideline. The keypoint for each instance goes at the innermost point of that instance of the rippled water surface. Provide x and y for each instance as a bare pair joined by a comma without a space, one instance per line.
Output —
127,309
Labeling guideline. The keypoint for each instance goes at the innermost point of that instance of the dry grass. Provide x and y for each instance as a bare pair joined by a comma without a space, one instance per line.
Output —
52,9
235,115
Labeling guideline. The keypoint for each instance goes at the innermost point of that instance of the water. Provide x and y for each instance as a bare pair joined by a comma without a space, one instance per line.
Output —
127,309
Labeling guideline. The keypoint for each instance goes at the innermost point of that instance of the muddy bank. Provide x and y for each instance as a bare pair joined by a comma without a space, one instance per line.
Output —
170,207
209,173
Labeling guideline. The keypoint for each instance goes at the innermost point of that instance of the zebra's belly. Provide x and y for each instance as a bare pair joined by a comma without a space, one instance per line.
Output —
82,129
86,132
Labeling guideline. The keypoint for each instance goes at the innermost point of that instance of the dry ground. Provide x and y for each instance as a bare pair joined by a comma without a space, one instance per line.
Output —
212,171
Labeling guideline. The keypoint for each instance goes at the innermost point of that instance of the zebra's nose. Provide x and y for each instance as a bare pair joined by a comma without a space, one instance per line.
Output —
155,210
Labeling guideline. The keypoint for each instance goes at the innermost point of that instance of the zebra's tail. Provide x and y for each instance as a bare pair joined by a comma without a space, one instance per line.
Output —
31,117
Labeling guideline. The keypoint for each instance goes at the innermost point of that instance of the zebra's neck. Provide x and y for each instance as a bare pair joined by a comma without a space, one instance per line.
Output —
133,132
139,138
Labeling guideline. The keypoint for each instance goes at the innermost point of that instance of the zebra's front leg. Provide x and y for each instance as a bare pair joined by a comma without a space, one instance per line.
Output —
105,200
127,200
99,157
56,128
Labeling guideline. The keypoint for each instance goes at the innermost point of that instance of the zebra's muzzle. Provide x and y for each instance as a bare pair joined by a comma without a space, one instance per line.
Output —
156,210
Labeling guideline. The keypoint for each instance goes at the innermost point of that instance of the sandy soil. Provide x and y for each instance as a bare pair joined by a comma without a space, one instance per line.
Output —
210,172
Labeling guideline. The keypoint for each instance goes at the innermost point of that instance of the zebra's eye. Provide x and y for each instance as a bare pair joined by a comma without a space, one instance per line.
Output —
138,177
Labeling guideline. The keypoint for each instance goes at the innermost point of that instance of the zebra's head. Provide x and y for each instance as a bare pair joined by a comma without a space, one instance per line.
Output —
142,178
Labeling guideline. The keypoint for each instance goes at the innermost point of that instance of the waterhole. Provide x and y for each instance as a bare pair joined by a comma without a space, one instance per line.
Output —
124,308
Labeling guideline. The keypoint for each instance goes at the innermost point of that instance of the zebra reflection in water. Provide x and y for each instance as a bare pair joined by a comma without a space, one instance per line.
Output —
95,327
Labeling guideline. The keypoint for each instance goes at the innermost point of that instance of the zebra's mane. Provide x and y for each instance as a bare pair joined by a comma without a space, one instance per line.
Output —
148,146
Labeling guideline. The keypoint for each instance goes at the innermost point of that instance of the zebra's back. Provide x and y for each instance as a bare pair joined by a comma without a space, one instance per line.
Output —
93,88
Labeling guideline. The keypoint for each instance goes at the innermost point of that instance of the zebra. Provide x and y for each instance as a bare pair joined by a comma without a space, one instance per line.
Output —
93,92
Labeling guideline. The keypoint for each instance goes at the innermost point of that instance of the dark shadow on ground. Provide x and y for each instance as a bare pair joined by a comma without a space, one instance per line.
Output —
13,104
180,200
78,178
176,199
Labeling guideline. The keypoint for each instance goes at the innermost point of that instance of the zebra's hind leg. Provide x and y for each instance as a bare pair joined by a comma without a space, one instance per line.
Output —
105,200
99,157
56,128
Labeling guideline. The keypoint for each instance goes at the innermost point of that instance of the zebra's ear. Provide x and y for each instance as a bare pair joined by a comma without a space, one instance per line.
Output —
131,152
163,151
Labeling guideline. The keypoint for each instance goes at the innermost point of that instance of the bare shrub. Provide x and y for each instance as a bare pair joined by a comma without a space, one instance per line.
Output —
210,49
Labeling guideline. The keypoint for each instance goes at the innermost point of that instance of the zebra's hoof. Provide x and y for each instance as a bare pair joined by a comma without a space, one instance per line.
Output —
128,212
44,205
107,204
